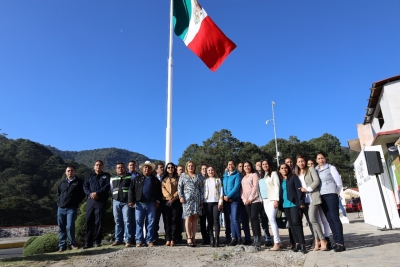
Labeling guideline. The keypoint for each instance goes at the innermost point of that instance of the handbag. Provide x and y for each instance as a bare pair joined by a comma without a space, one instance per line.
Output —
281,220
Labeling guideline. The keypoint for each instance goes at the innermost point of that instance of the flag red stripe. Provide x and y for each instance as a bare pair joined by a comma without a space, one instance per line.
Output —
211,45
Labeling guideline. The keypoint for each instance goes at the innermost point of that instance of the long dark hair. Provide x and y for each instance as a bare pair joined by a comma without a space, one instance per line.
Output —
297,168
174,174
269,167
251,166
289,171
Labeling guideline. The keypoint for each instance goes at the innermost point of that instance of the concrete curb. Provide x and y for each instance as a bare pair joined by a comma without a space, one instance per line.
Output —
12,245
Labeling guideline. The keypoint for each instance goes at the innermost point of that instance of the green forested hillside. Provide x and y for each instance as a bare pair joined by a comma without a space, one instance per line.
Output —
29,175
110,156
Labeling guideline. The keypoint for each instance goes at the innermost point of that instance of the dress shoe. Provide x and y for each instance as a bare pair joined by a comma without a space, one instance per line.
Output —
247,243
138,245
217,241
257,241
72,247
340,248
268,243
205,242
128,245
296,248
172,244
115,244
228,240
328,243
150,244
168,243
97,245
303,248
61,250
233,242
86,247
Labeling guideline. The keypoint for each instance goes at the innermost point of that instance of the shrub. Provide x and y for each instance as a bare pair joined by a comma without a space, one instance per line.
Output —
29,241
44,244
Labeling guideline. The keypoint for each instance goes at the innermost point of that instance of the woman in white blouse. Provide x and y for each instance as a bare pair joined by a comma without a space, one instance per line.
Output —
213,201
271,203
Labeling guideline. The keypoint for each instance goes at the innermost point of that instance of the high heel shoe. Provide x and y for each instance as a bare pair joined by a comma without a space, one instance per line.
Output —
276,247
317,245
324,244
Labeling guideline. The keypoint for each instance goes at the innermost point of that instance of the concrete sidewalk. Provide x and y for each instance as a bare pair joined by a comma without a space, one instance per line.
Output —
13,242
365,246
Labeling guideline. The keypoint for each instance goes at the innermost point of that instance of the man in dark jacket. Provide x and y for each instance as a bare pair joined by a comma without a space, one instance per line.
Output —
96,188
70,194
121,211
145,192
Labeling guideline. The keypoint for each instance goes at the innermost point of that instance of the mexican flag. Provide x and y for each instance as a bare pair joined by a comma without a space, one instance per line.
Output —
200,33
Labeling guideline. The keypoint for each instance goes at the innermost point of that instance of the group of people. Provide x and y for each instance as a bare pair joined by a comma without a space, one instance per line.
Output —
243,194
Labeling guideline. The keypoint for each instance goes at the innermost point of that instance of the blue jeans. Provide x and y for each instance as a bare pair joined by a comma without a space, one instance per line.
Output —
341,207
232,210
330,203
122,213
145,211
66,226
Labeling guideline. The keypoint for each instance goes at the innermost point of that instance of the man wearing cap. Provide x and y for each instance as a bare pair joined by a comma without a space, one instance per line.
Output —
96,187
145,192
70,195
121,211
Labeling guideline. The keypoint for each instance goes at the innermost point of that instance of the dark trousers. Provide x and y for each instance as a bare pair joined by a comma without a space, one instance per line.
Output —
171,219
330,203
305,212
244,220
253,210
94,221
156,225
212,214
203,226
294,217
181,222
227,220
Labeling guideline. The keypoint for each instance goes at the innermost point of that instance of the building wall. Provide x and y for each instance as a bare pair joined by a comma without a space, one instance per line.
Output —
389,104
22,231
365,134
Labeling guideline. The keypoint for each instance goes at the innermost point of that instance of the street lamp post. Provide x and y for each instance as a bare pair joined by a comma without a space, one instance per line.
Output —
276,142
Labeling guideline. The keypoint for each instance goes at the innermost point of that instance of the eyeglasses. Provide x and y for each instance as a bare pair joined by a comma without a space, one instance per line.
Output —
170,167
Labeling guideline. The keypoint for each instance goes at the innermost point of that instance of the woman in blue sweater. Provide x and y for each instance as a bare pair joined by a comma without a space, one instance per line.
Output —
231,184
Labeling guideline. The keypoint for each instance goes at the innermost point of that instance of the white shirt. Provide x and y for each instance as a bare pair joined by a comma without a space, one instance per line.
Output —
303,184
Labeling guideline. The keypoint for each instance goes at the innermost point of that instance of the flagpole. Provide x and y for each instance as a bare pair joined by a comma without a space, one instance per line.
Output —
168,135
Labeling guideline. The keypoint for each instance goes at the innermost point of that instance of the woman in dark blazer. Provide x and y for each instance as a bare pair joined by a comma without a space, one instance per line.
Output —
291,199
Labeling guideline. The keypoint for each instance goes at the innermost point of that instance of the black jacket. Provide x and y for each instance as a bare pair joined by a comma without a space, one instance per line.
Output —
136,189
70,195
99,184
293,193
120,187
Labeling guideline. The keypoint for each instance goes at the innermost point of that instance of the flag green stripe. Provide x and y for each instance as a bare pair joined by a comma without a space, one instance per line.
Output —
182,15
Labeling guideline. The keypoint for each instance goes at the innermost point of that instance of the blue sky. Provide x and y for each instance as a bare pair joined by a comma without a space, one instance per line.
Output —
82,74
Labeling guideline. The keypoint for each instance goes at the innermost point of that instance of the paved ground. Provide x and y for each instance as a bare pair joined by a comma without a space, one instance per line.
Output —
366,246
10,253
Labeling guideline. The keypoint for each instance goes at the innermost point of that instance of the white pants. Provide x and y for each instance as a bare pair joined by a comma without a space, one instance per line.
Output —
271,213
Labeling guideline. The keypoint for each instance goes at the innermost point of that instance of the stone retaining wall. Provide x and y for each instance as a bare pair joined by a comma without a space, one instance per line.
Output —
21,231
